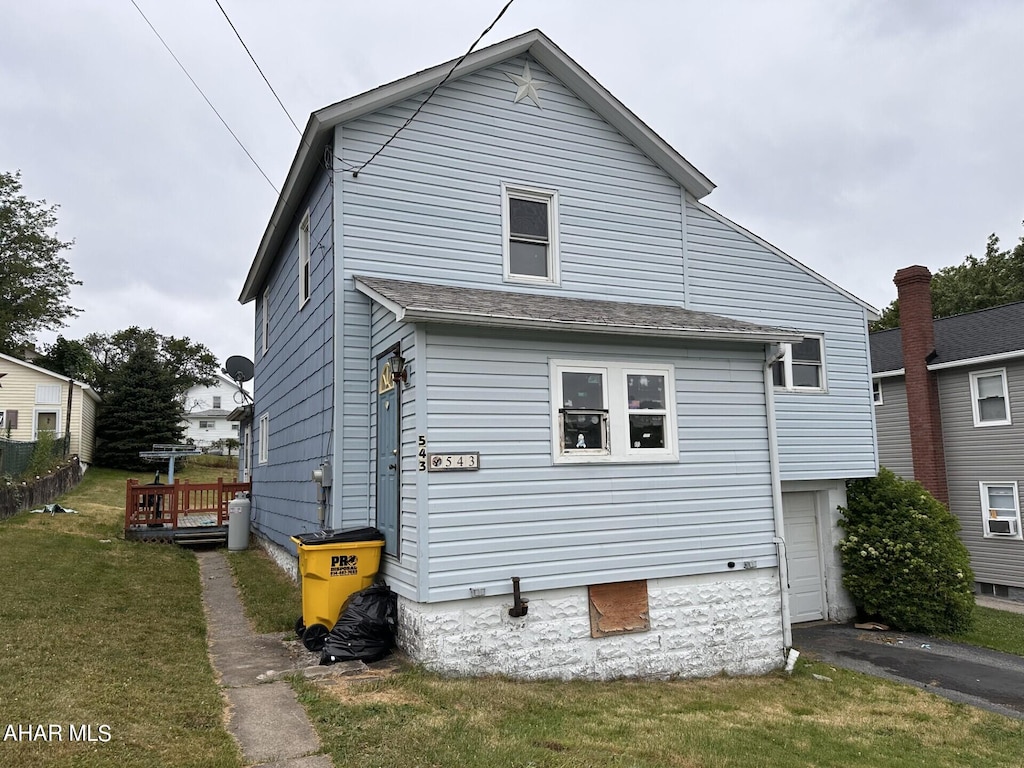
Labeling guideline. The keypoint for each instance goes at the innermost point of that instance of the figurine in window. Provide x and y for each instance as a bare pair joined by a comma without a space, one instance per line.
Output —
581,441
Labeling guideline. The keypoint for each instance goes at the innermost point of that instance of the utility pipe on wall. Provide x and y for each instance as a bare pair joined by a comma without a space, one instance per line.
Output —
774,354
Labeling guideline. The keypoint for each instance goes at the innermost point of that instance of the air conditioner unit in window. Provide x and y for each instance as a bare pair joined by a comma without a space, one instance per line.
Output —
1003,527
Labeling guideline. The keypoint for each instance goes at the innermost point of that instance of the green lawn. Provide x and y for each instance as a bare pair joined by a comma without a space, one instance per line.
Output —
98,631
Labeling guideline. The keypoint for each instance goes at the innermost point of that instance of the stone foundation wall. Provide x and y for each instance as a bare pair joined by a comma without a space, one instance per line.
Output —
699,626
285,560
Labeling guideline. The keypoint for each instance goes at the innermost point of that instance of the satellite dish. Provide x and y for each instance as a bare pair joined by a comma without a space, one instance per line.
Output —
239,368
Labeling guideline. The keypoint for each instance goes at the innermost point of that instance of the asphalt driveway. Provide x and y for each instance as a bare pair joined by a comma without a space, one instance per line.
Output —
963,673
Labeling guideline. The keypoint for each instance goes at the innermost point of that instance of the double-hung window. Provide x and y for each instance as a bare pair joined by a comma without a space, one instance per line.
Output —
802,366
304,260
530,234
989,398
612,412
876,391
1000,507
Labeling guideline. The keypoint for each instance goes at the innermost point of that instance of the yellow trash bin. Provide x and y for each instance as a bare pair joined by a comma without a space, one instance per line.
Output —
333,565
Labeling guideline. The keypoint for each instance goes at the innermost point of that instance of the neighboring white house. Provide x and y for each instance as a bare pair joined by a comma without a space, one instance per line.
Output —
207,409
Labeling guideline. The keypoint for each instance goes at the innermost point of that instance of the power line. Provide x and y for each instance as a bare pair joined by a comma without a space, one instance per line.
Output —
434,90
207,100
258,68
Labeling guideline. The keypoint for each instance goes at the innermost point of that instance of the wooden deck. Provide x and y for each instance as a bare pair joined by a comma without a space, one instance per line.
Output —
180,513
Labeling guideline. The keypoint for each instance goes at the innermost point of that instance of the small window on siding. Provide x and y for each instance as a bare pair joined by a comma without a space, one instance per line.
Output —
265,316
48,394
530,234
304,261
264,437
1000,510
606,411
876,391
216,401
802,367
989,399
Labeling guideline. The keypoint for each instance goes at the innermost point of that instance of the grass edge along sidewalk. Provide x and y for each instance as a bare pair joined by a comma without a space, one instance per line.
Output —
104,643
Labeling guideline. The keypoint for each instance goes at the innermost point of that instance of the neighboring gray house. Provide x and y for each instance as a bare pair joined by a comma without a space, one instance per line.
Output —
950,414
519,344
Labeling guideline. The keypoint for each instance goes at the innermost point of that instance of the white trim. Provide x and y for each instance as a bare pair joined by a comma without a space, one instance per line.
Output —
247,454
538,195
305,269
873,313
264,438
978,360
877,400
975,396
787,367
616,402
889,374
265,318
986,509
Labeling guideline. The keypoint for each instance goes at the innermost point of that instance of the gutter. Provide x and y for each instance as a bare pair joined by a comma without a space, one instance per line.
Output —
774,354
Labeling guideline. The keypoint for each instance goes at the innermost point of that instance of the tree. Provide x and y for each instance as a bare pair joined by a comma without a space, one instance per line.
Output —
140,407
68,358
996,278
37,280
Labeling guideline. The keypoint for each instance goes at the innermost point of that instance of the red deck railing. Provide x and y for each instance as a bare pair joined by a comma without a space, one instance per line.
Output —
161,505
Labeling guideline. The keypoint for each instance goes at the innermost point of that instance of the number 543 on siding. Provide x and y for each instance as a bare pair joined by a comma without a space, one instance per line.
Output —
453,462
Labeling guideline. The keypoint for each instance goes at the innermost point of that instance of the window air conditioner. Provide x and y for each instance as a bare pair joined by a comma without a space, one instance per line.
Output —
1002,527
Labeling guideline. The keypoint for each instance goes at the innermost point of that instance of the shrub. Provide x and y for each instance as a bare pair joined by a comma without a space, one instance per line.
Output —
902,560
43,457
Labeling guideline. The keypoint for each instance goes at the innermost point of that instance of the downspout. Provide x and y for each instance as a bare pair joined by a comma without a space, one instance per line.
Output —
774,354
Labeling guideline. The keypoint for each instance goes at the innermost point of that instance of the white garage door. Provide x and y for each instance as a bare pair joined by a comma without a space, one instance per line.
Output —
806,593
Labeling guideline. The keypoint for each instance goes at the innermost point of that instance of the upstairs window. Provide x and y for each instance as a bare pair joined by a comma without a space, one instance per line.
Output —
989,399
530,234
1000,507
216,401
876,391
802,366
265,315
304,260
613,412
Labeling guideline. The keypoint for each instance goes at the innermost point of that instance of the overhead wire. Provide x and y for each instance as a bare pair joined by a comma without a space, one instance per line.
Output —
205,98
355,171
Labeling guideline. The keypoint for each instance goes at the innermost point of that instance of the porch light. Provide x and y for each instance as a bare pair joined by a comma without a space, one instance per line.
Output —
398,371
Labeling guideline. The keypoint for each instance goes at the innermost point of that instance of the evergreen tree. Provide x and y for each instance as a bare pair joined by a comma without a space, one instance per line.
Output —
140,408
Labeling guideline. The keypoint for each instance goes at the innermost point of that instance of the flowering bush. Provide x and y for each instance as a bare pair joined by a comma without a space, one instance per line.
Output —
902,560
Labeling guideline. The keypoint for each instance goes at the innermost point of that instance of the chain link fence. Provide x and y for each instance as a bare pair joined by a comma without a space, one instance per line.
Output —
16,455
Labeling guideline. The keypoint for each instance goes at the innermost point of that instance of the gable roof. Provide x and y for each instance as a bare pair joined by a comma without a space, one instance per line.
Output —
965,339
37,369
429,303
321,126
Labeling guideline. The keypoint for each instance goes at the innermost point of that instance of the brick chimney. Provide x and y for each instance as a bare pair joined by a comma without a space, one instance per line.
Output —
913,286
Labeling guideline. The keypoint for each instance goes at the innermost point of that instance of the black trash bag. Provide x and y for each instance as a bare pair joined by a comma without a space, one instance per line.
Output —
366,627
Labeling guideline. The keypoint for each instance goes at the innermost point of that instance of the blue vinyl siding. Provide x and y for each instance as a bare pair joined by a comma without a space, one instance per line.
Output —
571,525
821,435
294,379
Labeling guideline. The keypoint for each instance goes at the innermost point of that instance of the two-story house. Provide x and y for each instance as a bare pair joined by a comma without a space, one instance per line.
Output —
492,308
949,404
207,411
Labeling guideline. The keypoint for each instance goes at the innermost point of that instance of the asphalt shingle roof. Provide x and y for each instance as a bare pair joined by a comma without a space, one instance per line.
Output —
423,302
993,331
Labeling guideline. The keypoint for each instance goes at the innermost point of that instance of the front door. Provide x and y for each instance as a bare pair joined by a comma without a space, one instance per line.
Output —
46,421
388,457
806,591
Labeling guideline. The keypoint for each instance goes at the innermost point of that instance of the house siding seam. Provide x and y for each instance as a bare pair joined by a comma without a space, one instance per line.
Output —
821,435
293,380
983,454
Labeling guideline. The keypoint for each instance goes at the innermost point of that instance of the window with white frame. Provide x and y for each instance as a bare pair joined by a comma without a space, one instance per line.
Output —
1000,510
265,315
216,401
264,437
989,399
205,424
612,412
304,260
802,366
530,234
876,391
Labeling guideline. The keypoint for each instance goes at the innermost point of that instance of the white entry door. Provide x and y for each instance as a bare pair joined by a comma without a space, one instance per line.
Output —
806,587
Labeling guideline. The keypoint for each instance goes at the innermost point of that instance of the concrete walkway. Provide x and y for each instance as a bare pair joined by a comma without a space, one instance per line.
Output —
264,716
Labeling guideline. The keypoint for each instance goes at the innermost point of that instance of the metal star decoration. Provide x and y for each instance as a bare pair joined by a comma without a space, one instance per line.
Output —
1,376
528,87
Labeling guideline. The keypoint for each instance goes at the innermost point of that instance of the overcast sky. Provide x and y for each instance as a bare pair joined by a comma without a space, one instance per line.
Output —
858,137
